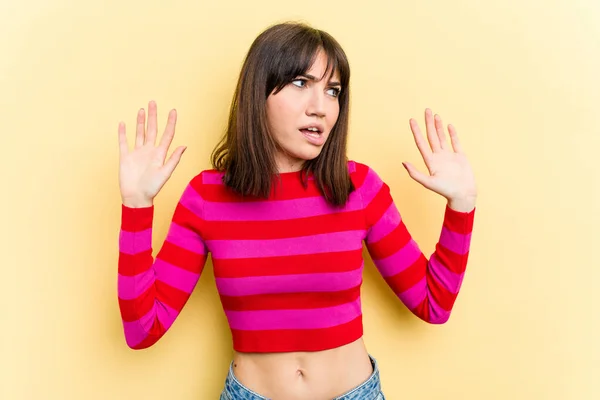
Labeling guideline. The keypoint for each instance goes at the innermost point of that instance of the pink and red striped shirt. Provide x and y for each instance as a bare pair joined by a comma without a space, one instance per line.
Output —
288,269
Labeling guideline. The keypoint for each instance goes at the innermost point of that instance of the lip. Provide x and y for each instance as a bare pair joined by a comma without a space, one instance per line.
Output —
318,141
315,125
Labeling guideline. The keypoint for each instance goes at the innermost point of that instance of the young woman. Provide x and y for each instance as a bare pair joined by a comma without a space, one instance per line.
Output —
284,214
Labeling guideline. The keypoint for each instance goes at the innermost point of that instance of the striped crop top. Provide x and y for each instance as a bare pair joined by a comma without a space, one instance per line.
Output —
288,269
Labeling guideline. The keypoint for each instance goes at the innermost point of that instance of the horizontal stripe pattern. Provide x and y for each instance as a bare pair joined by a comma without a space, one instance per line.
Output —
292,300
132,243
186,239
262,230
300,340
161,317
274,210
312,318
455,242
299,264
289,268
313,244
307,283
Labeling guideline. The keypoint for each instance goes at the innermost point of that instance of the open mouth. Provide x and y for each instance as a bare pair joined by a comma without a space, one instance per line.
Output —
314,137
313,133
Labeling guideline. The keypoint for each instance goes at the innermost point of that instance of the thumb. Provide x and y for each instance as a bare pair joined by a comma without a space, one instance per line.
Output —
173,161
416,174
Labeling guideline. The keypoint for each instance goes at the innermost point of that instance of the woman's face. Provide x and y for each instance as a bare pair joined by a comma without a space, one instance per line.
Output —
301,107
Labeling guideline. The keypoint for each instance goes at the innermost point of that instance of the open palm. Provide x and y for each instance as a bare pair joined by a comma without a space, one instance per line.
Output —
450,173
143,171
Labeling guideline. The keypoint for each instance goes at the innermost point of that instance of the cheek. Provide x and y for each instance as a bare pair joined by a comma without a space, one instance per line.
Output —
280,112
333,115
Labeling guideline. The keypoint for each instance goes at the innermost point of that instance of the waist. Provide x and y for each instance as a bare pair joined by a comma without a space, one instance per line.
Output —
288,340
304,375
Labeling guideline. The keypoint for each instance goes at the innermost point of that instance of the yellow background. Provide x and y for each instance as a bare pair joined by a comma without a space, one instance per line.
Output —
518,79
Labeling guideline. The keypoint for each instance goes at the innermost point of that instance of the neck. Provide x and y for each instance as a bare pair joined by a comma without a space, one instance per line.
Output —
288,165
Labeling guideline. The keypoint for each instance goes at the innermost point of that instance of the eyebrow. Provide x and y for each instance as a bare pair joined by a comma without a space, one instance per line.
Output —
312,78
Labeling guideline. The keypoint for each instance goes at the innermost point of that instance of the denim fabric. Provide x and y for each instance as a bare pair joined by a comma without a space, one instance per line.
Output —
368,390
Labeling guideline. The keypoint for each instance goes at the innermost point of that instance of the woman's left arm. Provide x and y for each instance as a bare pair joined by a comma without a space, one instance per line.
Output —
427,286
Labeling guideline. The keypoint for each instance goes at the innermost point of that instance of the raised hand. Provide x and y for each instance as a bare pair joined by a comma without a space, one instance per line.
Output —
143,170
450,174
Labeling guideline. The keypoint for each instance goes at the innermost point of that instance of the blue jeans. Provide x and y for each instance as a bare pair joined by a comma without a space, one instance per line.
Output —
368,390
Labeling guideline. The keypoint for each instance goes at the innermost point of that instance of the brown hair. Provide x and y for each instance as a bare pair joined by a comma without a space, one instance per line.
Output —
246,152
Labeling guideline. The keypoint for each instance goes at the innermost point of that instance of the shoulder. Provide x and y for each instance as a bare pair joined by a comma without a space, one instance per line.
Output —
362,174
206,180
207,177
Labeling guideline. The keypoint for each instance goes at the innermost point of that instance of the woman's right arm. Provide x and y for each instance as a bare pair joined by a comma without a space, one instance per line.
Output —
152,292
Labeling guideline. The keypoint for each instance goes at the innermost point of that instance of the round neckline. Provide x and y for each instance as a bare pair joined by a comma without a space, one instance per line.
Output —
290,173
293,174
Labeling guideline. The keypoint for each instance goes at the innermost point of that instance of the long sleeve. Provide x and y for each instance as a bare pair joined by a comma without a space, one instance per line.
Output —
428,287
151,292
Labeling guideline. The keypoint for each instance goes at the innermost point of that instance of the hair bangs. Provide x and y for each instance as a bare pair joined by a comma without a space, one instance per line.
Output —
298,55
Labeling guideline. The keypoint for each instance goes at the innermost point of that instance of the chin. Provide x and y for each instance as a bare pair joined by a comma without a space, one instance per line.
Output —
309,154
301,152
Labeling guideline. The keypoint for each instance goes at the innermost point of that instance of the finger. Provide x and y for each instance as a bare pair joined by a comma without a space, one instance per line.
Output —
123,147
152,125
417,175
454,138
439,127
173,161
140,129
420,140
169,132
432,136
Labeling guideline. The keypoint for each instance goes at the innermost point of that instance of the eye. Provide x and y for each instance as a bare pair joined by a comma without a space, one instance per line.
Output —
299,82
335,92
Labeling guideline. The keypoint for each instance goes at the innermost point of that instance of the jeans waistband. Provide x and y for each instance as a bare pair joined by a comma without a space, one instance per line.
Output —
368,390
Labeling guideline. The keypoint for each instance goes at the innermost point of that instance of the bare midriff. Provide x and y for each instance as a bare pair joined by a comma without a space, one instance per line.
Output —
314,375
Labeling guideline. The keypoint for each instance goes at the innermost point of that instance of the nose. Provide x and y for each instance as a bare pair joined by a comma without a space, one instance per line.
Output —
316,103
